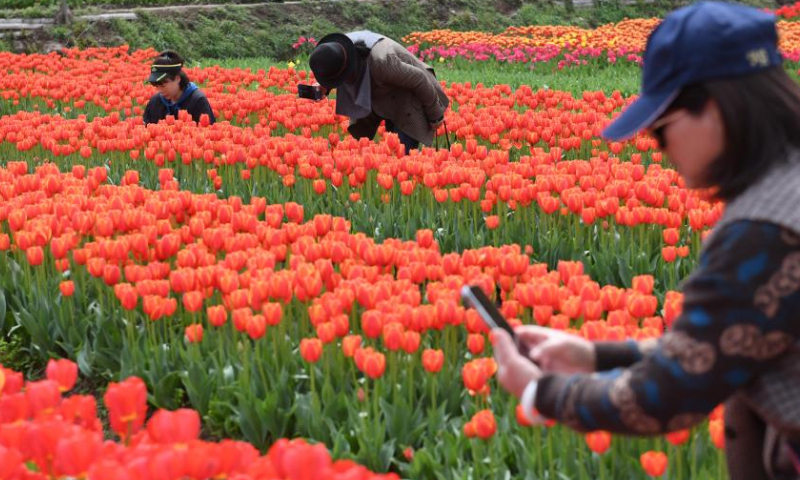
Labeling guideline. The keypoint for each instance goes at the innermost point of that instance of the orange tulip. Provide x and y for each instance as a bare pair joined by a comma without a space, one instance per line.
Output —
272,313
393,336
311,349
476,343
35,256
716,430
475,375
411,341
599,442
654,463
67,288
193,301
256,326
671,236
643,284
485,424
432,360
194,333
375,365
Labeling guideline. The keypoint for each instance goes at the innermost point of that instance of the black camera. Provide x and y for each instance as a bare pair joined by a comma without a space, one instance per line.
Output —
311,92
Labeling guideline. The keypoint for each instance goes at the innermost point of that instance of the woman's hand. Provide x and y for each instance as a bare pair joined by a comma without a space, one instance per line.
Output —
514,372
324,91
558,352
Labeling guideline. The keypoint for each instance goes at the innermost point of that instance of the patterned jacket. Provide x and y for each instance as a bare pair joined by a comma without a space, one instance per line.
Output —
405,91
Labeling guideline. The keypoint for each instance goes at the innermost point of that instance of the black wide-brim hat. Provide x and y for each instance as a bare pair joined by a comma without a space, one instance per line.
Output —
333,60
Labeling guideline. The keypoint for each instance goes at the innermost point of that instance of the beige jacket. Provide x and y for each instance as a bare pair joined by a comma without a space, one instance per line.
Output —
404,90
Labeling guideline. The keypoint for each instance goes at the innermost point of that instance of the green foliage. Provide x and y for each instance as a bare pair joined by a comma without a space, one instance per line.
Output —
270,30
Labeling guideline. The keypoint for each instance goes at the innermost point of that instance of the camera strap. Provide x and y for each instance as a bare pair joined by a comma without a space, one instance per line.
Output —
446,136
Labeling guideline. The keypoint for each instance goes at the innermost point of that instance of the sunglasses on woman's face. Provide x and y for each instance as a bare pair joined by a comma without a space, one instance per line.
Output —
657,129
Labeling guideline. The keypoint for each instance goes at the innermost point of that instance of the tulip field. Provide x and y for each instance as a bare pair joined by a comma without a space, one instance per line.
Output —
269,298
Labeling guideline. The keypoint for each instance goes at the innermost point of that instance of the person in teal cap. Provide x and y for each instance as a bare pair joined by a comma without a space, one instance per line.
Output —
175,91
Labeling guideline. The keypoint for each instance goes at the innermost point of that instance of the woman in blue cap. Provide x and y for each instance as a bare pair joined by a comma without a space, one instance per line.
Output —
715,96
175,91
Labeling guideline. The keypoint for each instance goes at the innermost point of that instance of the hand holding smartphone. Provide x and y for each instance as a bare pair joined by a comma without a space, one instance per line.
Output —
474,296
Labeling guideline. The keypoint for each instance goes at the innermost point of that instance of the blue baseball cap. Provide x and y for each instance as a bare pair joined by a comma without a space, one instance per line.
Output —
704,41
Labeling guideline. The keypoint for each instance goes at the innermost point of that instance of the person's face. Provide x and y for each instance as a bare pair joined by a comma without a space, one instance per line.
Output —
692,142
170,88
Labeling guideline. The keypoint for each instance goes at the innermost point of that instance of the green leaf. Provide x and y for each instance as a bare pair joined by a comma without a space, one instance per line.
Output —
386,454
2,310
166,391
84,362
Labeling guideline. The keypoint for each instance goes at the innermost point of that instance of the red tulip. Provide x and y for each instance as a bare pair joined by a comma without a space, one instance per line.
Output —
393,336
411,341
643,284
35,256
272,313
13,381
476,343
109,469
654,463
217,315
375,365
67,288
193,301
671,236
311,349
194,333
716,429
256,326
475,375
127,406
64,372
678,438
350,344
43,396
599,442
485,424
11,464
432,360
75,454
178,427
81,410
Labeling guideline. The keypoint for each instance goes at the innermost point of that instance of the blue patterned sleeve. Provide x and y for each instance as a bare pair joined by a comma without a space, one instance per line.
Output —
741,312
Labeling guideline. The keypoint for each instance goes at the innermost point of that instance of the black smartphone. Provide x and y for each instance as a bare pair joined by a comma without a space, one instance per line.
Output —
474,296
311,92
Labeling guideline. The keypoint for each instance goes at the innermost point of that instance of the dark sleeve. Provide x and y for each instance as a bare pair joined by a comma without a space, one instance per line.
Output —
151,114
201,106
610,355
740,314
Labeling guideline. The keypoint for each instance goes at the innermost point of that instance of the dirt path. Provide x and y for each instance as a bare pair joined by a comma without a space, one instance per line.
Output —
131,14
18,24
